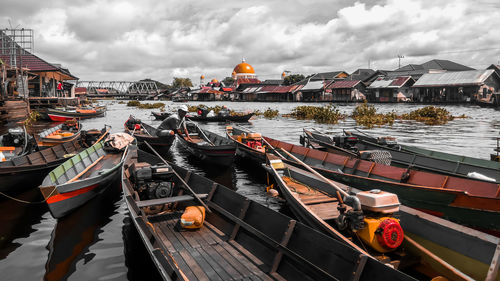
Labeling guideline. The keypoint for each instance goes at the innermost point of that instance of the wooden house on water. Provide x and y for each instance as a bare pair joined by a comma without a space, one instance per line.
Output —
386,89
457,87
347,90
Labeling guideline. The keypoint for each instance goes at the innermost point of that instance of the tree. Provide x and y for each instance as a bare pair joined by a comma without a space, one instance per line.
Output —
294,78
228,81
181,82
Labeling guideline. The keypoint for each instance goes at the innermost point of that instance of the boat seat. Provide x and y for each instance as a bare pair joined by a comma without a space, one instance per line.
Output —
168,200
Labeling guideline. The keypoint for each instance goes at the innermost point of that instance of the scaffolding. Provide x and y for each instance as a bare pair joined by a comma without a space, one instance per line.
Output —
16,42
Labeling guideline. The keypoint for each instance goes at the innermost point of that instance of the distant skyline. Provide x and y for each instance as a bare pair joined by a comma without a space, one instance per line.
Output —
132,40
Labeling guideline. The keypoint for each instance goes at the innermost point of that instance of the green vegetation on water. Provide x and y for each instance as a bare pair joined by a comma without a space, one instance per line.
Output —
326,114
145,105
268,113
430,115
366,115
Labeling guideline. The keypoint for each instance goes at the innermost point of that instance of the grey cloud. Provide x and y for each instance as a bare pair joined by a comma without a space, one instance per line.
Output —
125,39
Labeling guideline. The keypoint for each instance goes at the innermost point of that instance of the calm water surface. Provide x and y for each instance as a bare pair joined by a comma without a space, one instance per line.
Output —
99,242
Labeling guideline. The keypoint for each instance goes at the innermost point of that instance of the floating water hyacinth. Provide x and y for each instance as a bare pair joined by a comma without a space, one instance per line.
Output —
325,114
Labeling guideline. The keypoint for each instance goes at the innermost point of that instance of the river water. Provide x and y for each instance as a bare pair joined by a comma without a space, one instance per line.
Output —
99,242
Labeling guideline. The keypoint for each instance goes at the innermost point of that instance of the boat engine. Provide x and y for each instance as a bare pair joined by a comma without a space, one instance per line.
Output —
152,182
347,142
381,230
14,137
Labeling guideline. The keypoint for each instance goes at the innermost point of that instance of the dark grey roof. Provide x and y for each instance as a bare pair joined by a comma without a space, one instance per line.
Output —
410,67
272,82
435,64
361,74
446,65
325,75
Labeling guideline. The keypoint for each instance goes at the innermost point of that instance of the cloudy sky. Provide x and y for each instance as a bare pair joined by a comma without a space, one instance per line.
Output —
132,40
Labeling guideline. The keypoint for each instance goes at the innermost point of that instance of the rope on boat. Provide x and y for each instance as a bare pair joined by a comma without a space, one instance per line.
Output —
28,202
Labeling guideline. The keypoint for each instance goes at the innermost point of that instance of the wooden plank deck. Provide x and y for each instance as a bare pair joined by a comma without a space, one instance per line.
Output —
204,254
324,206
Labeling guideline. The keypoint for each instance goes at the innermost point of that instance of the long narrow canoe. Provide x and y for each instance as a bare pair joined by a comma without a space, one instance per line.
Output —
152,135
249,144
317,140
208,146
59,115
240,239
229,118
80,178
28,171
430,159
160,115
466,201
59,134
315,203
432,246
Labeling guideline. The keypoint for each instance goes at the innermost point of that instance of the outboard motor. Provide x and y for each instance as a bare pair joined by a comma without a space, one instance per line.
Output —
347,142
152,182
14,137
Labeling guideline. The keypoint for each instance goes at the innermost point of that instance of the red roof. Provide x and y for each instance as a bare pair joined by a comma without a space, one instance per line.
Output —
208,90
399,81
32,62
285,89
343,84
228,89
268,88
80,90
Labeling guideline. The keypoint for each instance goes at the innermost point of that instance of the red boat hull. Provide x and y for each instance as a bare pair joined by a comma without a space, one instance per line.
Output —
59,118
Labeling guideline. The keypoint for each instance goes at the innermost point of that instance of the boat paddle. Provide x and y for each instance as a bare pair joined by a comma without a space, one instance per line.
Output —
343,192
180,178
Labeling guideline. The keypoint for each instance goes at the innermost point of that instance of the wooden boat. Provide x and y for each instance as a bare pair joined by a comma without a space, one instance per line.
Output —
248,144
28,171
429,160
496,156
59,115
208,146
160,115
431,246
466,201
16,143
144,132
64,132
339,145
81,178
219,118
74,235
235,241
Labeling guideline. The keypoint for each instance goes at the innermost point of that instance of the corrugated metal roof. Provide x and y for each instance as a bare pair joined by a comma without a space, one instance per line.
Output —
472,77
380,83
399,81
396,82
313,85
343,84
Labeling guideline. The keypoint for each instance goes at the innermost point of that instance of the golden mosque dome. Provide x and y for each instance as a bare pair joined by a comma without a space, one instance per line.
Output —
244,67
215,81
202,77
